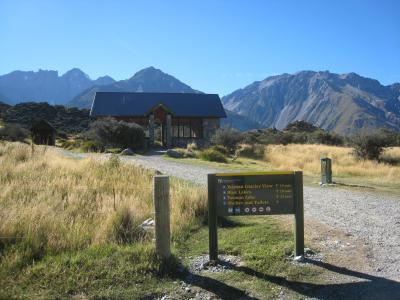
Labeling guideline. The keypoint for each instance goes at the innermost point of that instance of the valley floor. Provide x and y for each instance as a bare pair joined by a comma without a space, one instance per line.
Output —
357,230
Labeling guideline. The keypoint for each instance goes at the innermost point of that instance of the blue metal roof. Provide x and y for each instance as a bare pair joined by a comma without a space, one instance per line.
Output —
140,104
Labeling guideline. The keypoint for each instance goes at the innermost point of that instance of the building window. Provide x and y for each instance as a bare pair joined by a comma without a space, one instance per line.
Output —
187,128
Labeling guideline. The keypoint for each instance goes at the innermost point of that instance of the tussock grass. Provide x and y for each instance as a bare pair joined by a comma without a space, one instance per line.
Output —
344,163
51,204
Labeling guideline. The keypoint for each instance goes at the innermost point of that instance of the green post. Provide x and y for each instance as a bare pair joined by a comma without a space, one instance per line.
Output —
212,218
299,214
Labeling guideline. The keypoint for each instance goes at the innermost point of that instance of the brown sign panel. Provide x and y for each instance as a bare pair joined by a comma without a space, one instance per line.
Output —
264,193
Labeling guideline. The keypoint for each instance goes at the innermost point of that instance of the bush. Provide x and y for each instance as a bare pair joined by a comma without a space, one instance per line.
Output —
220,149
112,133
124,229
369,146
251,151
296,133
70,144
213,155
13,132
91,146
327,138
301,126
227,137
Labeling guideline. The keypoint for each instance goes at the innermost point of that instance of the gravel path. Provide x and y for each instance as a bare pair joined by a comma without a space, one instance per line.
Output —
368,216
194,173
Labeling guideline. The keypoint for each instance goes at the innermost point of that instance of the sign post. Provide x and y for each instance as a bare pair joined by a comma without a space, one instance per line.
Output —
326,170
162,215
212,218
298,214
257,193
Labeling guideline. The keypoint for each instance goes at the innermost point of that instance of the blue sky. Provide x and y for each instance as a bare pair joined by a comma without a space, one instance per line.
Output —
214,46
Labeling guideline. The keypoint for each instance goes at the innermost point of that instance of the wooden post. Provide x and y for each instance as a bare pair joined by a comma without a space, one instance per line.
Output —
299,214
162,215
212,219
326,170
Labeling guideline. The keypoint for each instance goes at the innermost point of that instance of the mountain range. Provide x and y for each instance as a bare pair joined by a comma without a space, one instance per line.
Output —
46,86
343,103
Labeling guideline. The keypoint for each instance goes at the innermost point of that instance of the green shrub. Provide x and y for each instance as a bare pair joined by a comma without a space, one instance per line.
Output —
70,144
13,132
301,126
186,153
124,229
251,151
112,133
220,149
227,137
298,133
91,146
327,138
369,145
213,155
114,150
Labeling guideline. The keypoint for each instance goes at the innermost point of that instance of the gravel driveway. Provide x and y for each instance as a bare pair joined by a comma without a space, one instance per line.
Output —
369,216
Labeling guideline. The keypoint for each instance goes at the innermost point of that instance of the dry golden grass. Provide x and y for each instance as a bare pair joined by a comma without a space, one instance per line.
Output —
52,203
344,164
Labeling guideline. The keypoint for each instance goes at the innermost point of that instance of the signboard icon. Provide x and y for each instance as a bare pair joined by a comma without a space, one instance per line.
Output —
247,210
261,209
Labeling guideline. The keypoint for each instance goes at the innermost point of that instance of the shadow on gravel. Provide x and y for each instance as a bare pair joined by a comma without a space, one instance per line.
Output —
372,288
219,288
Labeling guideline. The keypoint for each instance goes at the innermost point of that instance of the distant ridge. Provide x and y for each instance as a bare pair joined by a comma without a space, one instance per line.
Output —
344,103
146,80
46,85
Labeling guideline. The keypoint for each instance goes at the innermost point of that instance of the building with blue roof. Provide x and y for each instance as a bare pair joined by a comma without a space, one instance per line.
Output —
170,119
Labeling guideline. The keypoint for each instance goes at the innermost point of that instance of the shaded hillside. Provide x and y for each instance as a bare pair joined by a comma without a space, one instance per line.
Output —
341,103
4,99
68,120
48,86
146,80
3,108
239,122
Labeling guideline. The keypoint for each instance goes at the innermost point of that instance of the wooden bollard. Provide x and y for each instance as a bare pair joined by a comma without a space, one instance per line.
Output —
162,215
326,170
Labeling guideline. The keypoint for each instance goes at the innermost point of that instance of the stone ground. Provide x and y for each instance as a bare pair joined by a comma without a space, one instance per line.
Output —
362,226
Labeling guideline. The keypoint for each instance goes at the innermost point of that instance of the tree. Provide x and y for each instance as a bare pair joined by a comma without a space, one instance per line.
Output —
227,137
13,132
110,132
369,145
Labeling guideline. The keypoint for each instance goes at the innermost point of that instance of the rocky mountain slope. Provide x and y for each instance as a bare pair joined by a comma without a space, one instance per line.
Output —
48,86
341,103
239,122
146,80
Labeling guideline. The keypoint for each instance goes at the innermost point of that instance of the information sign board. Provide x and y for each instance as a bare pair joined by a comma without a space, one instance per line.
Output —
254,193
251,194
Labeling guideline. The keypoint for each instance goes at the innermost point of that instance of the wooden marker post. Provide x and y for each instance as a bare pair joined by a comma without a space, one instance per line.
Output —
326,170
212,219
162,215
298,214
